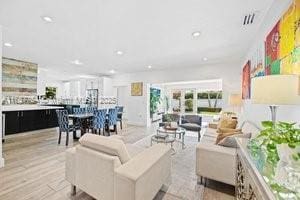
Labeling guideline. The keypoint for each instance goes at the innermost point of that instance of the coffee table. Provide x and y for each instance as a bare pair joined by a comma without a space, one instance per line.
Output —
180,131
158,138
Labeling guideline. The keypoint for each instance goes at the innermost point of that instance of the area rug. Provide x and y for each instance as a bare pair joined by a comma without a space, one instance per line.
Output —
184,184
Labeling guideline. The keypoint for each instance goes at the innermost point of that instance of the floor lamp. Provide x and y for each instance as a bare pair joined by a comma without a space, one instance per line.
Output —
275,90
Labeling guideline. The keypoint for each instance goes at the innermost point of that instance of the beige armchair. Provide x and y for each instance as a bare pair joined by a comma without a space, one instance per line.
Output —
105,168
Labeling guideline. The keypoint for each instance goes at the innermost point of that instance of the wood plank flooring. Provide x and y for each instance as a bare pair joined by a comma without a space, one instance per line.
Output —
35,167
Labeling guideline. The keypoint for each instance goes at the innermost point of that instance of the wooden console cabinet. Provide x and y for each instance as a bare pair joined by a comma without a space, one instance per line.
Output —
250,185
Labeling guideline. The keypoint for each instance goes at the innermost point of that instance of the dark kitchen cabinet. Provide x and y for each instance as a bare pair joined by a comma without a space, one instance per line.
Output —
51,119
26,120
22,121
40,121
12,122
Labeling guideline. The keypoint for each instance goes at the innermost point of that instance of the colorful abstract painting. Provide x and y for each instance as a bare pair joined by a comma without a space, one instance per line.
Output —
19,78
257,62
283,44
246,81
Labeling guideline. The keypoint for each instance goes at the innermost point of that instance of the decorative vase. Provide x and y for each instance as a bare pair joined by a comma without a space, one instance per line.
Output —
285,154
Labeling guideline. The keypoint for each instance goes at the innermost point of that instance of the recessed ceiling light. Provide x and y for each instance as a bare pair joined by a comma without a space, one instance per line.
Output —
76,62
196,34
205,59
47,19
8,44
149,67
112,71
119,53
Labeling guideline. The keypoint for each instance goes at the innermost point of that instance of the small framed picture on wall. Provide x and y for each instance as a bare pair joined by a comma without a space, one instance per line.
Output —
137,89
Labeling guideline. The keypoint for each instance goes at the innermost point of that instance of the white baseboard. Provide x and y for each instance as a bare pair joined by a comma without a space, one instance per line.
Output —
1,162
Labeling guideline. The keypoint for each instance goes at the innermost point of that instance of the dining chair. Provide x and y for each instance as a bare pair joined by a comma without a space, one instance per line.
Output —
112,119
64,126
120,110
91,109
98,122
77,111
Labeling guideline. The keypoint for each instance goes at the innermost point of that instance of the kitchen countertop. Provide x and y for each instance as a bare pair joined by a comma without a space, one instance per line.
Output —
7,108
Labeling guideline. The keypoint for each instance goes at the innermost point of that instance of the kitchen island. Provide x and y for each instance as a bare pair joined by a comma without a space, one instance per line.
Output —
22,118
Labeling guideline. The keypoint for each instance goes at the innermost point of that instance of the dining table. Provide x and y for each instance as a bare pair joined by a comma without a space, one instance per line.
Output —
82,120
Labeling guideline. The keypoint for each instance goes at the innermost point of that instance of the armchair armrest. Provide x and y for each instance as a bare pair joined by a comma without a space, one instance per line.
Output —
143,175
211,160
184,121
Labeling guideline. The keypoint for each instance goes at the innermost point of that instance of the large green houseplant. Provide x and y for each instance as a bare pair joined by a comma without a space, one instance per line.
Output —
281,141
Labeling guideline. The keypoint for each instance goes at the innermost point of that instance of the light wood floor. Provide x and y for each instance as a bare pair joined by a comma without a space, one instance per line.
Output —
35,167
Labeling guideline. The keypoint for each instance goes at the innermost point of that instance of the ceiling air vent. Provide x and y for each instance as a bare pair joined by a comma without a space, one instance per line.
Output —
249,18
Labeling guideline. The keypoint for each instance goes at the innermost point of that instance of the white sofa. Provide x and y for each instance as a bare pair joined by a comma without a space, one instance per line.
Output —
107,169
218,162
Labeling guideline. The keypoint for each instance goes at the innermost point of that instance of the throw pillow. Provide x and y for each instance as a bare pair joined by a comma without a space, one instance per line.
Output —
221,136
230,141
227,123
228,130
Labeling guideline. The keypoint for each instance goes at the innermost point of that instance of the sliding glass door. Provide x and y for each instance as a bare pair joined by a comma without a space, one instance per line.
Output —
176,101
189,101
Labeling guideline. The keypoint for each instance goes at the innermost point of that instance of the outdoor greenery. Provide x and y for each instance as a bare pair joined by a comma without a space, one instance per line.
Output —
177,95
188,105
210,94
189,95
208,110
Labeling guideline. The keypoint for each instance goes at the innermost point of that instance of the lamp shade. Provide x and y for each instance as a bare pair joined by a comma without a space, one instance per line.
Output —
235,100
276,90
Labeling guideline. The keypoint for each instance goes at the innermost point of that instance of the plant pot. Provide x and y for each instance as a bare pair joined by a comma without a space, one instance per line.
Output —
285,154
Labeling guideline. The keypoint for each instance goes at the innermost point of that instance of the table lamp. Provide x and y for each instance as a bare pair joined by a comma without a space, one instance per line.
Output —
235,100
275,90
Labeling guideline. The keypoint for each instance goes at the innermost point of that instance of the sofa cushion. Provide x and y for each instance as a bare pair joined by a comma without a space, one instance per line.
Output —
134,150
230,141
107,145
223,134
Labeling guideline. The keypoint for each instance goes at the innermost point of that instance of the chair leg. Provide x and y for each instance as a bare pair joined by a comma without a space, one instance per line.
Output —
59,137
199,135
116,129
67,138
74,134
121,124
73,190
108,131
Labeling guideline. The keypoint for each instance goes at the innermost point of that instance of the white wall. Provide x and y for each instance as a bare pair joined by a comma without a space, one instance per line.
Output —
44,80
137,108
1,157
258,113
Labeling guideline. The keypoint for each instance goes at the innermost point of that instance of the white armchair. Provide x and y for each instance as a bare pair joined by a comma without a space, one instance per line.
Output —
218,162
103,168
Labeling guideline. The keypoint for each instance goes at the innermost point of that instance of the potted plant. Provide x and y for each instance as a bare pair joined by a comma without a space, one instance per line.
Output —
281,141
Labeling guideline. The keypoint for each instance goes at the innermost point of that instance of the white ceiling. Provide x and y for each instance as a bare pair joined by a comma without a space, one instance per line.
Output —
149,32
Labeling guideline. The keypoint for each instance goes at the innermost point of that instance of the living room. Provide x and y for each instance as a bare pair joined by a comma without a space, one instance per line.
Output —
193,99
